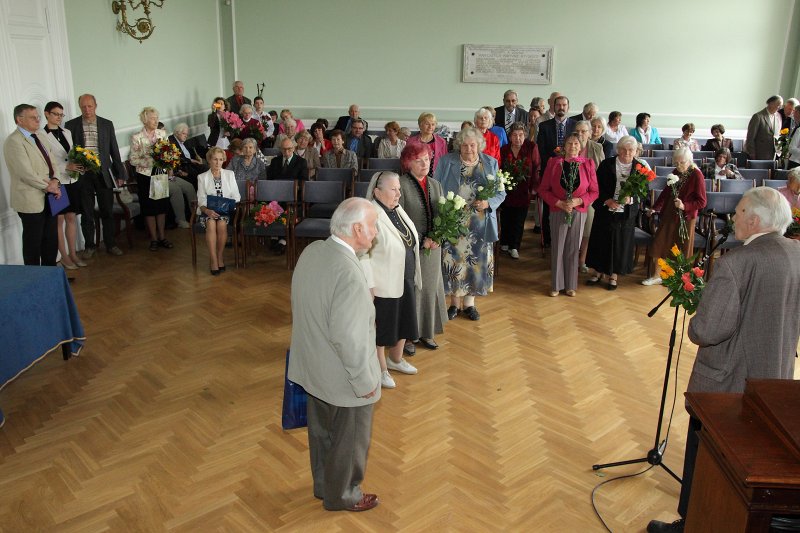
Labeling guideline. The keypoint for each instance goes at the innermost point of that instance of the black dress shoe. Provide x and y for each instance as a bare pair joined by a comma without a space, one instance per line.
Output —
222,268
452,312
594,281
657,526
472,313
428,343
214,272
409,348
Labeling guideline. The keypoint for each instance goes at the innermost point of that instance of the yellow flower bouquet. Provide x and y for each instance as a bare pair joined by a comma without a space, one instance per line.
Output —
84,157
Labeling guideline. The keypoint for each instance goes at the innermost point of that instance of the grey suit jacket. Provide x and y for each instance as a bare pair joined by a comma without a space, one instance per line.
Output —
760,140
333,353
29,172
748,322
107,146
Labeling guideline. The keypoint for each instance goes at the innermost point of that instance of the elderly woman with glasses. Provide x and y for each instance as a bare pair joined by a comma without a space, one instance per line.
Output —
722,168
468,265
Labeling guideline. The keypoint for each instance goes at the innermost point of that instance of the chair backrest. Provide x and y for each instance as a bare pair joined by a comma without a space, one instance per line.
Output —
775,184
722,203
384,164
648,147
323,192
736,185
761,163
242,185
700,154
277,190
757,174
667,142
270,151
655,161
664,171
780,174
366,174
698,161
737,145
360,189
663,153
344,175
709,184
660,182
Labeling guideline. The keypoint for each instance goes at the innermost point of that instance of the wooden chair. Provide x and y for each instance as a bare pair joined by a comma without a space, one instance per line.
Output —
739,186
663,171
197,229
360,189
780,174
342,175
757,174
650,147
121,211
663,153
315,227
761,163
775,184
366,174
282,191
655,161
379,163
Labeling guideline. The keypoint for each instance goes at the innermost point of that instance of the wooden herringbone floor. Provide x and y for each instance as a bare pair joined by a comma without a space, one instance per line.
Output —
170,419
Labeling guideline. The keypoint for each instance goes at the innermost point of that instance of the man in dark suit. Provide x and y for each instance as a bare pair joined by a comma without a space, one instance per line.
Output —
590,111
346,122
288,166
510,112
359,142
333,355
736,343
32,176
551,136
97,133
238,99
191,163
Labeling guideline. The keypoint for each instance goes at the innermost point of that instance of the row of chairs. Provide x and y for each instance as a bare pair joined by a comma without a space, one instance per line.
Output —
759,175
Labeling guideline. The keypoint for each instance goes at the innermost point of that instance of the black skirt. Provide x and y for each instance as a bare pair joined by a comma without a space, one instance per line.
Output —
396,318
150,208
74,193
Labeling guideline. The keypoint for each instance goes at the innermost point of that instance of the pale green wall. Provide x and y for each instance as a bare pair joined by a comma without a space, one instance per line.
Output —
679,60
176,70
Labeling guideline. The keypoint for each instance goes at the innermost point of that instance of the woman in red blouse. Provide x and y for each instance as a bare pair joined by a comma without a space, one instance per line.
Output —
520,158
484,121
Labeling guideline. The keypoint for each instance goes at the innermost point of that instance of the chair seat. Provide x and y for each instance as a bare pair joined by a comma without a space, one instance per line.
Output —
274,230
322,210
641,237
313,228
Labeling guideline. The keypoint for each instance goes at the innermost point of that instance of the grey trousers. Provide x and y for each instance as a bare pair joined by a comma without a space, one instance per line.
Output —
177,188
338,439
565,249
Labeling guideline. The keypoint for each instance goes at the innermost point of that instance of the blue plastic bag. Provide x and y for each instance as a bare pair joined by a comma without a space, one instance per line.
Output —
294,402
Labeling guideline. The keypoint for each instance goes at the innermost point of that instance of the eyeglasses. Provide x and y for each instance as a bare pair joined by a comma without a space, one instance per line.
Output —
60,115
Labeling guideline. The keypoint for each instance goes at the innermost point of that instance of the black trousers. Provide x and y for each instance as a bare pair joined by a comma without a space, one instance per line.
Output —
512,221
546,222
39,237
93,185
692,443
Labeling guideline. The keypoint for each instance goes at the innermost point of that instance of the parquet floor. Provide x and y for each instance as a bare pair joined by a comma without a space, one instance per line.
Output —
170,419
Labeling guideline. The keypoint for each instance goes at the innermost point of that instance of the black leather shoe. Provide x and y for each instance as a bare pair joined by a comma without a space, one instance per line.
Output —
452,312
428,343
472,313
594,280
409,348
657,526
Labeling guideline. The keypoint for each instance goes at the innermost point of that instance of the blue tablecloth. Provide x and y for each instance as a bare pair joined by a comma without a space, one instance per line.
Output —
37,315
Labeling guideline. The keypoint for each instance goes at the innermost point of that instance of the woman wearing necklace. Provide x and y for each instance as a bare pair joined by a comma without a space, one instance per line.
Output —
691,188
569,186
59,141
419,199
216,182
437,145
520,158
141,156
247,166
468,265
393,272
610,250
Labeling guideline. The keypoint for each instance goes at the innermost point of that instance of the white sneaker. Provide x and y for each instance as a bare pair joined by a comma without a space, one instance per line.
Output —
504,248
183,224
584,269
513,253
655,280
403,366
386,380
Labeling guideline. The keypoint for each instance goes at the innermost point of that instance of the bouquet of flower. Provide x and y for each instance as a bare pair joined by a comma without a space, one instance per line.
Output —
166,155
494,184
682,279
450,221
782,146
636,184
265,214
793,231
256,131
232,123
516,172
683,232
88,159
572,175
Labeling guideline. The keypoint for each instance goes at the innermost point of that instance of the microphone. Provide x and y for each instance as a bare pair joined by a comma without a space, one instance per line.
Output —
725,232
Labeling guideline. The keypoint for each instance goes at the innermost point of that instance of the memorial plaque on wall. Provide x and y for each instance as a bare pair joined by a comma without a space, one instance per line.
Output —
508,64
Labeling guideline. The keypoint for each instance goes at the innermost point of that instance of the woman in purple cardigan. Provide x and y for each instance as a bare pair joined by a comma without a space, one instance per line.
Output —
438,146
565,173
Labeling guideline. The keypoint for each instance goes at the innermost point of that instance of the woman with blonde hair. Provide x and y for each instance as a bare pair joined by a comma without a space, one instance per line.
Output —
426,136
222,183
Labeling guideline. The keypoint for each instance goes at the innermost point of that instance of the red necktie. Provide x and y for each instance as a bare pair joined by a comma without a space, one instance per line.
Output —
44,154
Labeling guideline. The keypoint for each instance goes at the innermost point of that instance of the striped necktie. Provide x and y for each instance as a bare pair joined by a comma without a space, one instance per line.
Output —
560,133
509,119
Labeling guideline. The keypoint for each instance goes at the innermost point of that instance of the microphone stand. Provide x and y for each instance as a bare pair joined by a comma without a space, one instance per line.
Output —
656,454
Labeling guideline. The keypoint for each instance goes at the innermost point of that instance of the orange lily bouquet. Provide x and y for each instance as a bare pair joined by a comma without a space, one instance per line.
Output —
682,279
636,184
84,157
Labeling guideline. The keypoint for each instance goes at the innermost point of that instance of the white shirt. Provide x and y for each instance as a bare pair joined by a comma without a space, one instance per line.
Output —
753,237
615,136
340,241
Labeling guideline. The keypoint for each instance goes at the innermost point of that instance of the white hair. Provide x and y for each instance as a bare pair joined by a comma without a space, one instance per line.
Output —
793,175
469,133
682,153
629,141
771,208
246,107
180,126
351,211
252,141
601,120
379,180
586,123
481,112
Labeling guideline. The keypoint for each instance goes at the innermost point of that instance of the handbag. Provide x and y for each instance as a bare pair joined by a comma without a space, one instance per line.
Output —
221,205
159,186
295,402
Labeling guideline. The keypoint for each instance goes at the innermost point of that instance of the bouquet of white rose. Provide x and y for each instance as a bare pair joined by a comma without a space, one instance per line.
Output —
683,232
494,184
450,221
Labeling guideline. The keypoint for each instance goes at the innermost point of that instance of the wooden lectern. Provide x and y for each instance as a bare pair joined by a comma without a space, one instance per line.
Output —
748,462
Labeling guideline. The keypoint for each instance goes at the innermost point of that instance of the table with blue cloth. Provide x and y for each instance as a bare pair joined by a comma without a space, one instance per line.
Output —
38,315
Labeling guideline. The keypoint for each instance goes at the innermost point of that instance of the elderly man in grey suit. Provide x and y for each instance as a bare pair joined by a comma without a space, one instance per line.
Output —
97,133
763,129
758,280
333,355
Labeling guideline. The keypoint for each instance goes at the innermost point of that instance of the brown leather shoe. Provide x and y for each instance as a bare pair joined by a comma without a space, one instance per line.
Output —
367,502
